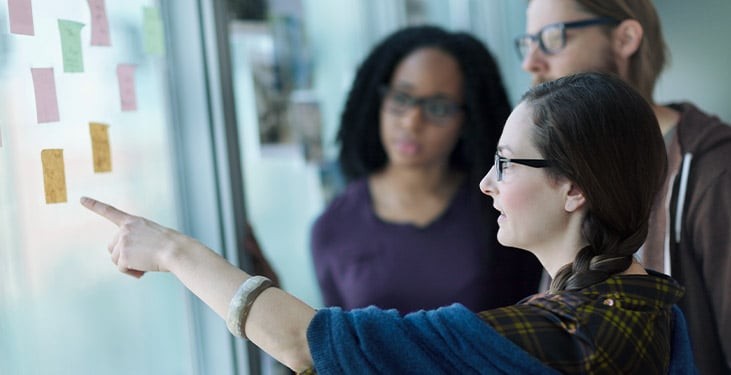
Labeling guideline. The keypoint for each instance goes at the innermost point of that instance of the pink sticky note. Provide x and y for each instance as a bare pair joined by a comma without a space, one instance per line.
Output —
21,17
127,92
45,89
99,23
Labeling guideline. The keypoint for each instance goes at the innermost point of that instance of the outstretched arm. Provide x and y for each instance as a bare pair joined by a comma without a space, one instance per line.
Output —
277,322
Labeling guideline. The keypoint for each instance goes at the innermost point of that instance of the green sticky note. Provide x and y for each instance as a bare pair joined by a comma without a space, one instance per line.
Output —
70,32
153,31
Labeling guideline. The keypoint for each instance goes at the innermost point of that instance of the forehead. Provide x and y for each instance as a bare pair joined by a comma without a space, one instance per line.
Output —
517,137
545,12
428,69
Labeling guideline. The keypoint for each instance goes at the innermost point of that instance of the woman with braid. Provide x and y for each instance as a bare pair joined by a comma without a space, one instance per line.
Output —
577,167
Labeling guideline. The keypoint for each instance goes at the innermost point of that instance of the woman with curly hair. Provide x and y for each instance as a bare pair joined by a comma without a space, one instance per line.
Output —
424,107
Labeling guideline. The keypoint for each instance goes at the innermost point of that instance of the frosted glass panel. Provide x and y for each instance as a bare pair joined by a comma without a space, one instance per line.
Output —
64,308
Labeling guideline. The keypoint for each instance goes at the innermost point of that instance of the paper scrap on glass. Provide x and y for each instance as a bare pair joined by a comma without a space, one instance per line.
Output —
101,151
54,175
154,36
44,85
20,13
127,91
70,31
99,23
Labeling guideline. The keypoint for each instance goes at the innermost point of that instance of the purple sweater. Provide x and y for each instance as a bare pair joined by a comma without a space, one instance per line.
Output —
360,260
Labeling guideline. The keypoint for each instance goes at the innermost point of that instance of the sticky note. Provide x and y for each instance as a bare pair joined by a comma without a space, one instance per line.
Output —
21,17
100,147
54,175
127,91
99,23
70,31
44,85
154,37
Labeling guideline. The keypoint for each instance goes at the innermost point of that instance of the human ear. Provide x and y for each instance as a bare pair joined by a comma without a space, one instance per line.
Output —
575,199
627,38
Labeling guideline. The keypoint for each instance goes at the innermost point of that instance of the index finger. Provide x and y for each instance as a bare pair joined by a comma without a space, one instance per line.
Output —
102,209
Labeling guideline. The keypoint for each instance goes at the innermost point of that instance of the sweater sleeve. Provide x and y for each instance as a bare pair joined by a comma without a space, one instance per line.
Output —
447,340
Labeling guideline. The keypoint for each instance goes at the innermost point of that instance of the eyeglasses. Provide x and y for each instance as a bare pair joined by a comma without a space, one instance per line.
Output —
436,109
501,163
552,38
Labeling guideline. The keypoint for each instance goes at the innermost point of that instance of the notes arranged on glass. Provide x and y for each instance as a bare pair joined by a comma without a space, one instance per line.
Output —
100,147
44,85
21,17
54,175
127,88
70,31
152,27
99,23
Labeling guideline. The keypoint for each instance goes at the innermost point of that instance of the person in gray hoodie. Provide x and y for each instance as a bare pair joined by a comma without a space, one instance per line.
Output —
690,228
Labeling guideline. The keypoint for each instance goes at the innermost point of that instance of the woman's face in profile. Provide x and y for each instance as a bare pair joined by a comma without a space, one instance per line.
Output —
421,115
530,203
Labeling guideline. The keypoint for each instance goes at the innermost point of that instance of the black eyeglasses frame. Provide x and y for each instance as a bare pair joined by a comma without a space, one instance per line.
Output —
522,48
501,161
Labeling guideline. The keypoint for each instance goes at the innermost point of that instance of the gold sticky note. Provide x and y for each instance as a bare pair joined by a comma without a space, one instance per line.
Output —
54,175
100,147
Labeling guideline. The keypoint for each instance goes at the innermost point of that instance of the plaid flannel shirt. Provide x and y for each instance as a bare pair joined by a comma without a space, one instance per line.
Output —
619,326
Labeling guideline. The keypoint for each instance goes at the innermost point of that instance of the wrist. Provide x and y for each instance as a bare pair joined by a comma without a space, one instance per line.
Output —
172,254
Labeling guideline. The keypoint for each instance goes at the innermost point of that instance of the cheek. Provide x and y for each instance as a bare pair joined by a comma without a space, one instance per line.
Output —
446,142
517,200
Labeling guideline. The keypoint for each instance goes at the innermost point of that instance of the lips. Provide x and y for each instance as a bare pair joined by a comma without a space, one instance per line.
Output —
407,147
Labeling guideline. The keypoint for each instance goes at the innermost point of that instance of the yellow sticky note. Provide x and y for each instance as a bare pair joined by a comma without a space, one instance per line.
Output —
54,175
100,147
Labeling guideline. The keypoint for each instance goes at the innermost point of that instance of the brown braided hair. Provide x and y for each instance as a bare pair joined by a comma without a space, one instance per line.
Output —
602,135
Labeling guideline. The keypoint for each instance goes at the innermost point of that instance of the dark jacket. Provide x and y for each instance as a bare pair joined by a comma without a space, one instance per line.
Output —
700,235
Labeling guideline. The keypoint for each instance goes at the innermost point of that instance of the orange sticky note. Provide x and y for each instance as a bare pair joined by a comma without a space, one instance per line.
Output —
21,17
99,23
127,91
44,85
54,175
100,147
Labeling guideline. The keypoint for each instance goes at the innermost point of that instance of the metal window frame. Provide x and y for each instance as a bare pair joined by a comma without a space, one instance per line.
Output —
208,160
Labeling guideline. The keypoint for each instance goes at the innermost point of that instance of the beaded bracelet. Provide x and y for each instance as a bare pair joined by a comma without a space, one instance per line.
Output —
238,308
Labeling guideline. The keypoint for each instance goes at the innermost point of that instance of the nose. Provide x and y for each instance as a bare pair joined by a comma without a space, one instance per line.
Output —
413,117
487,184
534,61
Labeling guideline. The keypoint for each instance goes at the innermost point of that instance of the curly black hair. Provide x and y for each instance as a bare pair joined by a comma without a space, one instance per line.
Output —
485,101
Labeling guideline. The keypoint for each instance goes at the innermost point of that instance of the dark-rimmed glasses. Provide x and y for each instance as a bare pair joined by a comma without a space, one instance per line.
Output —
436,109
502,162
551,38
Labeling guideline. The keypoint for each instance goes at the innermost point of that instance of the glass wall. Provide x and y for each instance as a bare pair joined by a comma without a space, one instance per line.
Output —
64,308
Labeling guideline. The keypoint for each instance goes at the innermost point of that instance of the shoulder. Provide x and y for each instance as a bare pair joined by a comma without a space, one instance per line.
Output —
351,206
352,199
701,133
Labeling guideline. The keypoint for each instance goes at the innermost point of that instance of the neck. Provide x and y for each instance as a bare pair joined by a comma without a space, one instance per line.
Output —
561,250
667,117
418,181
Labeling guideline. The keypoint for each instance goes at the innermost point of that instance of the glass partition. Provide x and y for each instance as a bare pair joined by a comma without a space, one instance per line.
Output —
64,308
